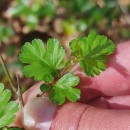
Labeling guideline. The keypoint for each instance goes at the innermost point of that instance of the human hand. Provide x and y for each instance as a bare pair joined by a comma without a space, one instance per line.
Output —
104,103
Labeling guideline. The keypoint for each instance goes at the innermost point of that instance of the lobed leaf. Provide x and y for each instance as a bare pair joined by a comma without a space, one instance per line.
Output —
92,51
7,108
42,64
63,89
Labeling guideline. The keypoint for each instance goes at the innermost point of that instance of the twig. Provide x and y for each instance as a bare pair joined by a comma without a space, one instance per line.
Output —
18,92
7,73
20,98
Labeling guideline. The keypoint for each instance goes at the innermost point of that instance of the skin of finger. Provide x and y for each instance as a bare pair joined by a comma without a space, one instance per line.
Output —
92,118
68,116
63,112
28,95
116,102
38,113
104,119
114,81
77,111
81,116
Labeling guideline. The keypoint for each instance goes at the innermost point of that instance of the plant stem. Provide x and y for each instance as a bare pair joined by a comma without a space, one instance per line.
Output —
62,73
67,69
7,73
18,92
21,103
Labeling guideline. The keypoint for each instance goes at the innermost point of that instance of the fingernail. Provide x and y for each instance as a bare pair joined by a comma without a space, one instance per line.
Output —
38,114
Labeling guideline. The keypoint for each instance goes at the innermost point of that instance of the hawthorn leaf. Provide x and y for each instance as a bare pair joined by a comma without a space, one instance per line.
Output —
92,52
63,89
42,63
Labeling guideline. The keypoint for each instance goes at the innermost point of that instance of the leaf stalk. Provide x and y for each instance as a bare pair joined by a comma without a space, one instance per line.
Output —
20,98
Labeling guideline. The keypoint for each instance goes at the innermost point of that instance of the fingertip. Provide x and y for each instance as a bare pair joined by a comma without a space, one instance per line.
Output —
38,114
27,95
32,92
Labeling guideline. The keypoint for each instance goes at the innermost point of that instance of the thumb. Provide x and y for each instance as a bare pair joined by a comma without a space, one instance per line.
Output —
43,115
38,114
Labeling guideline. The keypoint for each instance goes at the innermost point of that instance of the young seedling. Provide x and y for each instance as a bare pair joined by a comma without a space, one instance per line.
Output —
49,65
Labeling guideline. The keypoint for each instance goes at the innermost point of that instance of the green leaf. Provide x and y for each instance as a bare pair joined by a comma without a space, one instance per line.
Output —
42,64
63,88
7,108
45,88
92,51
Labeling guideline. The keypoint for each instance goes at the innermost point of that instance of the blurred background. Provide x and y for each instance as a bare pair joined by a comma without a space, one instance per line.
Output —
24,20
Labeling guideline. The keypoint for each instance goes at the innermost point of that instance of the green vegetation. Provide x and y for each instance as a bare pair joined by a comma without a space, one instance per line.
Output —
48,60
7,108
45,64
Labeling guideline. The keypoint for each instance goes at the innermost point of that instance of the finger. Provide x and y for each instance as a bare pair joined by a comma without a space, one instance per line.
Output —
111,103
114,81
75,116
100,119
28,95
116,102
119,102
38,113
